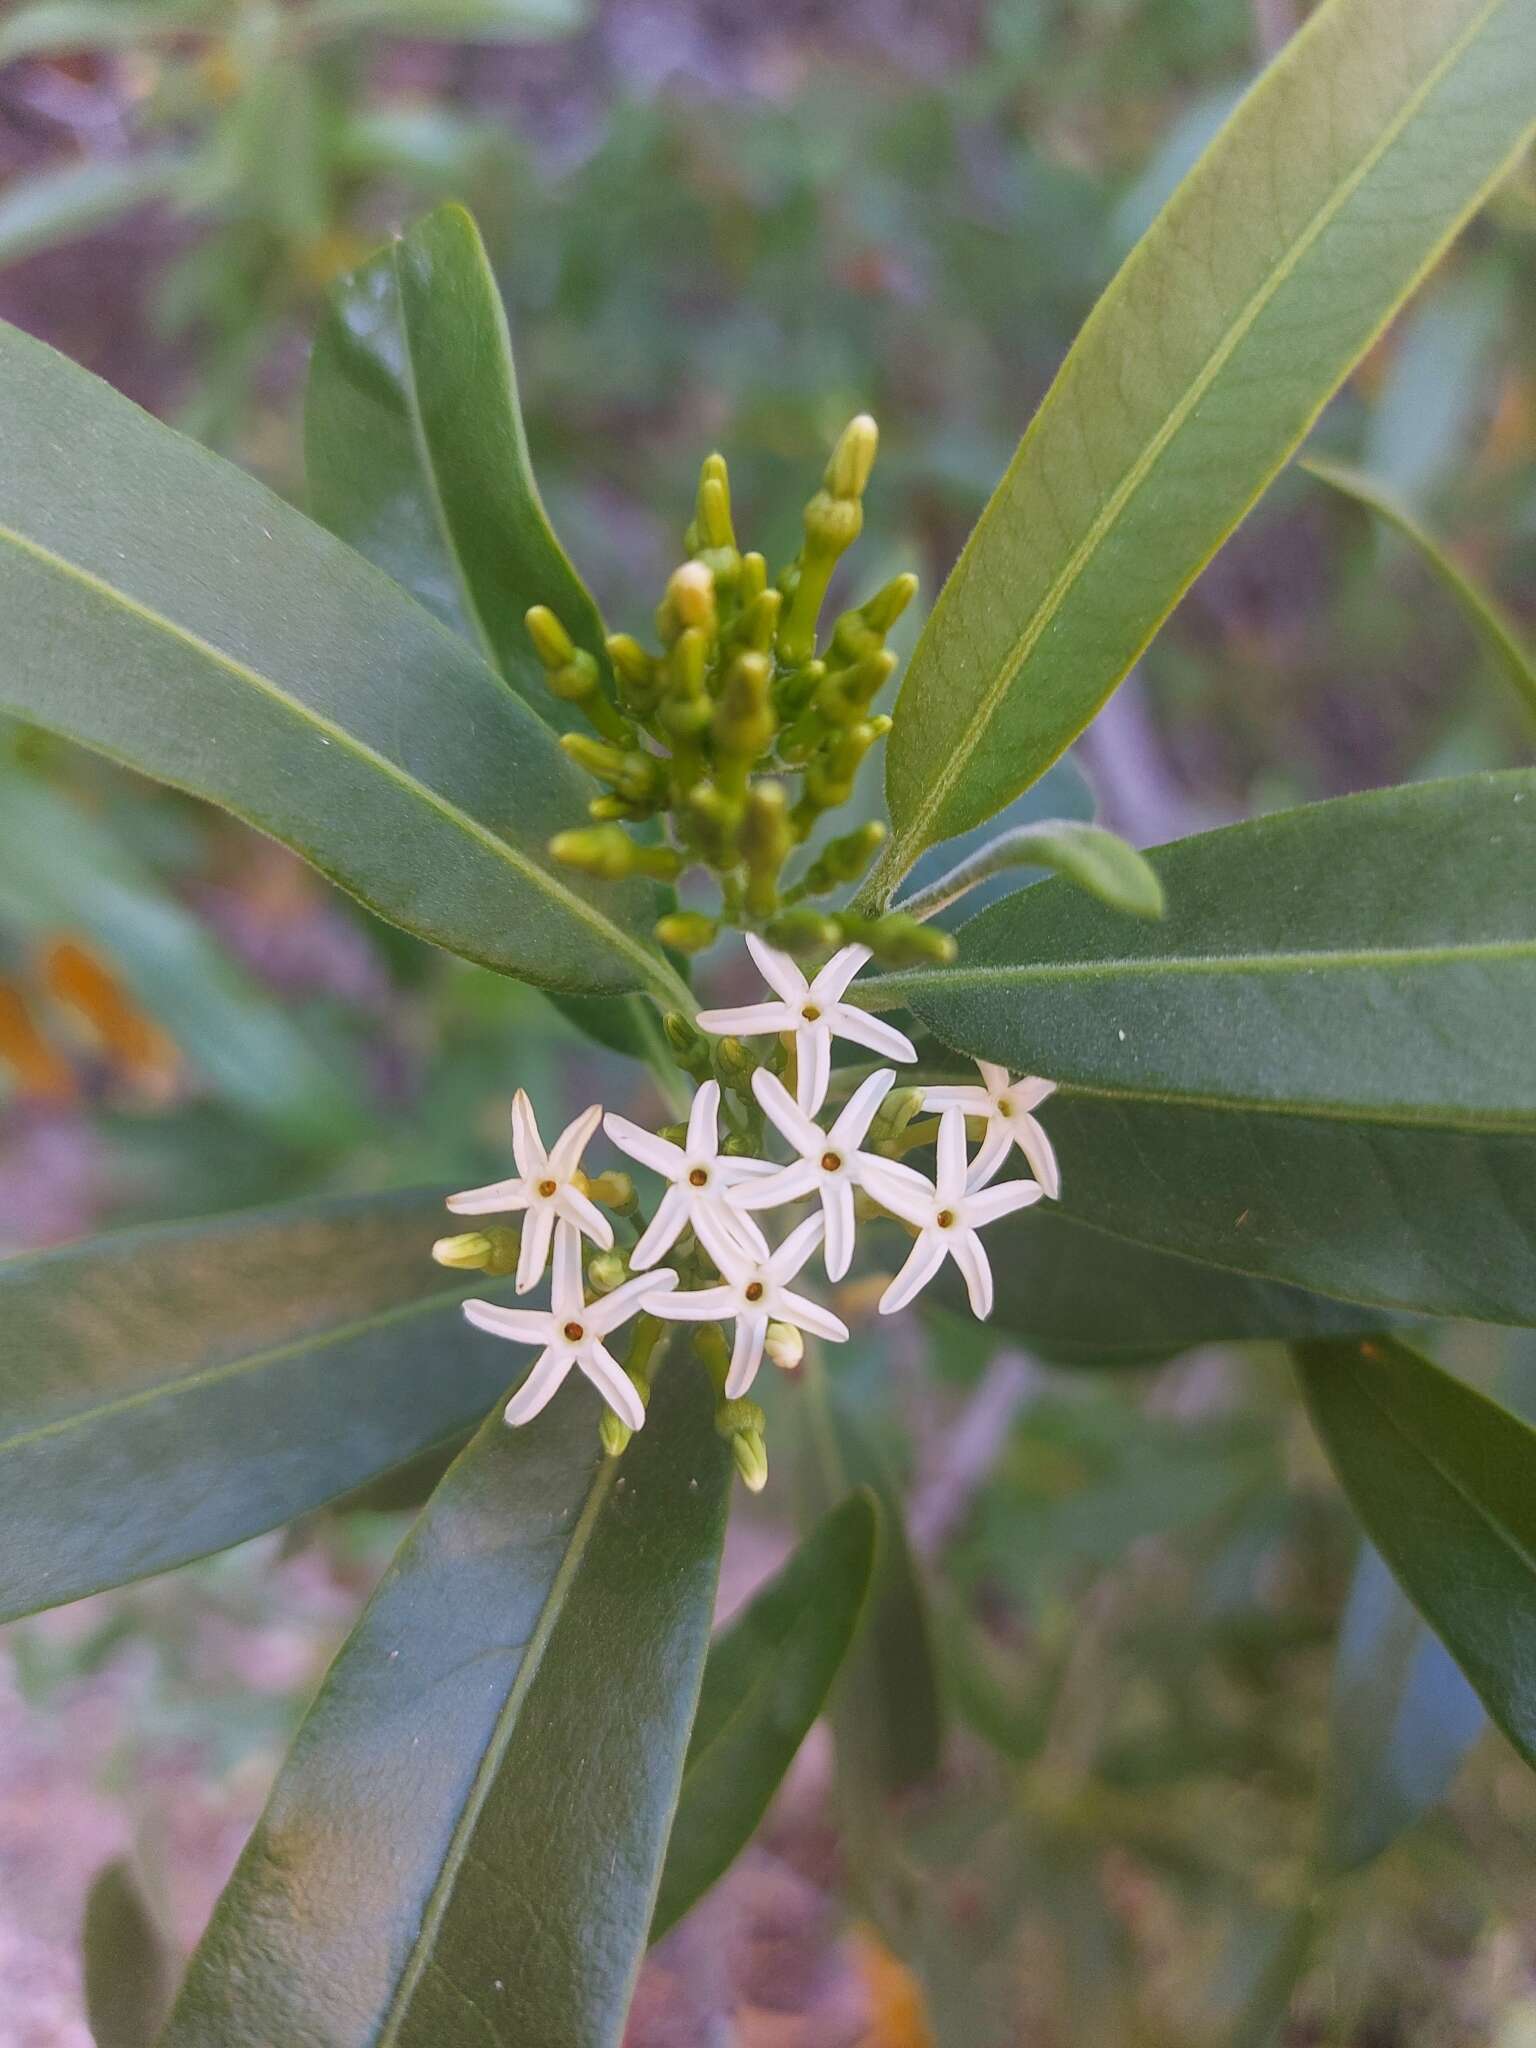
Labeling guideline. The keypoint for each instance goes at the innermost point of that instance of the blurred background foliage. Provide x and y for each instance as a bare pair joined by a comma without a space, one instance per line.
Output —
724,224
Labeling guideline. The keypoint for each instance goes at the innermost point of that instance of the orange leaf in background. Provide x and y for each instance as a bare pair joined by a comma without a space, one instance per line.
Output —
898,2017
40,1072
83,984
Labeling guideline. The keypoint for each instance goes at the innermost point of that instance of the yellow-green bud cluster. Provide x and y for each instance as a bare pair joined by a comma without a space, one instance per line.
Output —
742,728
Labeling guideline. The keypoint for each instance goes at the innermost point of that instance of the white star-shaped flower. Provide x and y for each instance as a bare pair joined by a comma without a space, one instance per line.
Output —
545,1186
571,1331
701,1182
948,1211
1006,1105
755,1291
830,1164
815,1012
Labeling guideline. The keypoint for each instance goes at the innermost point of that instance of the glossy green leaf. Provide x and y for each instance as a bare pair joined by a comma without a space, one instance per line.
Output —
61,869
1323,200
465,1841
1445,1482
56,206
1086,855
1400,1723
128,1974
1483,613
170,611
169,1392
1079,1297
887,1712
765,1682
416,453
1330,1028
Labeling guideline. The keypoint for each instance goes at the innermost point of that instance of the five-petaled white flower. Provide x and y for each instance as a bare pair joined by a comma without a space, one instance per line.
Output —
571,1331
948,1211
815,1012
830,1164
545,1186
701,1188
1006,1105
756,1292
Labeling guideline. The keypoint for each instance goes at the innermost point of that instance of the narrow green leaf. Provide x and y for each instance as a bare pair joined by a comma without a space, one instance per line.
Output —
128,1974
61,868
1087,855
466,1839
1320,204
169,1392
56,206
1079,1297
765,1681
417,456
166,609
1400,1722
1483,613
1445,1482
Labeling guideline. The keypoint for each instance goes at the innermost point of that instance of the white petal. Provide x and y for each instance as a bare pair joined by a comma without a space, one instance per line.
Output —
609,1310
732,1169
565,1153
703,1122
580,1210
862,1029
987,1204
858,1112
785,1114
974,1101
813,1066
567,1294
746,1354
1032,1091
541,1385
792,1254
661,1232
520,1325
952,1162
613,1383
656,1153
1041,1154
533,1252
729,1235
527,1146
830,983
778,970
994,1149
753,1021
837,1204
923,1261
787,1185
499,1196
698,1305
966,1250
899,1188
806,1314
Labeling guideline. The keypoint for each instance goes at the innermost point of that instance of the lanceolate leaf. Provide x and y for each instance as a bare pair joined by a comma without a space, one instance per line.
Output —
170,611
765,1682
1320,204
1400,1723
1483,613
55,206
465,1841
1085,854
1315,1068
1445,1482
169,1392
416,453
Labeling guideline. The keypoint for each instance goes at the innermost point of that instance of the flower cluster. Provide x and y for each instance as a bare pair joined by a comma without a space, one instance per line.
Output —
722,1269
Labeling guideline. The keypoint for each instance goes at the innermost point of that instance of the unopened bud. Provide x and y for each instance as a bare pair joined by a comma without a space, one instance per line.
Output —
690,601
785,1345
690,1048
551,642
607,1270
635,669
802,931
605,850
735,1064
847,474
613,1434
893,1116
467,1252
614,1190
753,579
744,722
766,842
751,1456
687,931
898,940
844,859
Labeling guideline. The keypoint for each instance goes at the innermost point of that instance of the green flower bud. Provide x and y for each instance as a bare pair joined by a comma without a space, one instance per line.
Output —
756,625
834,520
690,1048
744,723
687,931
613,1435
845,694
847,474
766,842
802,932
599,757
608,852
615,1191
712,518
690,601
893,1116
735,1064
844,860
861,632
467,1252
637,671
715,818
753,580
751,1457
897,940
551,642
785,1345
712,1351
607,1270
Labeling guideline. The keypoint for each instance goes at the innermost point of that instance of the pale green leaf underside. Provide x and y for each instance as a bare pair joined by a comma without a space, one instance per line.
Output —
1322,201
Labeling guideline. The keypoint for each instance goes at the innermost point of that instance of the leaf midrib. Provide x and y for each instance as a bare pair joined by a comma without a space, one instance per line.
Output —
421,1956
908,843
653,969
215,1375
